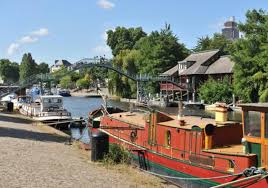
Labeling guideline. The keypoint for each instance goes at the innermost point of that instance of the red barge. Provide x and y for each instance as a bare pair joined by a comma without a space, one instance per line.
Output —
194,151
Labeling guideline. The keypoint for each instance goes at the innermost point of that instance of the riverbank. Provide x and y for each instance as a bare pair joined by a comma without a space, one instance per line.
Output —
35,156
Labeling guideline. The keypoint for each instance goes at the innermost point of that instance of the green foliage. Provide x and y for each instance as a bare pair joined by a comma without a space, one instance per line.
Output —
9,71
152,55
216,91
122,86
117,155
43,68
159,51
28,66
218,41
250,54
82,83
123,38
65,82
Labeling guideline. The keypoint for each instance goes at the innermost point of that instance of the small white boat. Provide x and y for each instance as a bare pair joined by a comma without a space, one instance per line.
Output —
20,100
48,109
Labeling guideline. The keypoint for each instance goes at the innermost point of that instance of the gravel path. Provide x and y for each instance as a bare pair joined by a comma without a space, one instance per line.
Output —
31,156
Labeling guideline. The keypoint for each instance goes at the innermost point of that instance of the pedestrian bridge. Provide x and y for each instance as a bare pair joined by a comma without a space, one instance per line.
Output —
83,63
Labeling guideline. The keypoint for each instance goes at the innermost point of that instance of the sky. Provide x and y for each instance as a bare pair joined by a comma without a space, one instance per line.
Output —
75,29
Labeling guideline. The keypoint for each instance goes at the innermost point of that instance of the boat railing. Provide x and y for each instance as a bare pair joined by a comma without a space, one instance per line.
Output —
221,164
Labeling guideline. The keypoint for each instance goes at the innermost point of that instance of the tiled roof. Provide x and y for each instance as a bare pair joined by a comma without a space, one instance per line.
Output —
223,65
201,60
171,72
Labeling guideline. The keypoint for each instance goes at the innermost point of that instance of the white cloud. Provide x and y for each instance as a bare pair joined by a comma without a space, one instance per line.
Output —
33,37
105,4
28,39
13,47
40,32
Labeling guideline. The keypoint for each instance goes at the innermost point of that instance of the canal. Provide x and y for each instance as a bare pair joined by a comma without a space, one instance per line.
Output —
81,106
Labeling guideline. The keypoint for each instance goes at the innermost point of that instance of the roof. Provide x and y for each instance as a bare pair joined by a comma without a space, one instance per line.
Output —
62,62
223,65
258,107
171,72
201,62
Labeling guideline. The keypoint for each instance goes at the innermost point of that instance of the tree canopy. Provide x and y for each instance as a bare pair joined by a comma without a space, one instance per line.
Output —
138,53
123,38
218,41
216,91
9,71
28,66
159,51
251,55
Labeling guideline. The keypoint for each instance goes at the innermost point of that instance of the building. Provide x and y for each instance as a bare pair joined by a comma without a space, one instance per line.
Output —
60,63
195,70
230,30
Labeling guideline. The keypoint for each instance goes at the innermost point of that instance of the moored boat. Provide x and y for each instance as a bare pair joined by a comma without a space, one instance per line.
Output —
193,151
48,109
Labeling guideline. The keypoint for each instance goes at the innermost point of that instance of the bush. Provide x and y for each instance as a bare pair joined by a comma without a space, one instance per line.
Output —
117,155
216,91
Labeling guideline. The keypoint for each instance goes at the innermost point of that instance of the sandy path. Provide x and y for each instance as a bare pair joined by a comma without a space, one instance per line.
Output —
30,156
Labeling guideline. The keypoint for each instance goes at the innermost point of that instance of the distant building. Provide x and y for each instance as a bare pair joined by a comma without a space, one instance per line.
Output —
230,30
195,70
60,63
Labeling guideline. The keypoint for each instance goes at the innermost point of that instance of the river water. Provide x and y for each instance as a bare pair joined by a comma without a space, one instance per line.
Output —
81,106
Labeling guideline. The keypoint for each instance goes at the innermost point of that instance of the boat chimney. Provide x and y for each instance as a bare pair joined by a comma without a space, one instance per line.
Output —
221,112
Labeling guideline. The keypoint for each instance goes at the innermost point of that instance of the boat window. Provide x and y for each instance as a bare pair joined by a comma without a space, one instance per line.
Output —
46,100
252,123
168,138
266,125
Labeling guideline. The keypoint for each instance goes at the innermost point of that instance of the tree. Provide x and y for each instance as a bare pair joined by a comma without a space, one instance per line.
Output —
123,38
251,54
159,51
9,71
82,83
28,66
43,68
218,41
126,60
66,82
216,91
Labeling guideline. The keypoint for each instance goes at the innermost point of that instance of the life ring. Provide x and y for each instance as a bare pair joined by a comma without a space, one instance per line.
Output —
133,136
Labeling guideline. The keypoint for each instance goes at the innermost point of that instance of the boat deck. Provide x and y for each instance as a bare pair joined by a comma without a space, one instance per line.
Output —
135,118
191,121
229,150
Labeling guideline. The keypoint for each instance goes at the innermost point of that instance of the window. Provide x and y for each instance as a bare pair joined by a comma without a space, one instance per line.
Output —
266,125
252,124
168,138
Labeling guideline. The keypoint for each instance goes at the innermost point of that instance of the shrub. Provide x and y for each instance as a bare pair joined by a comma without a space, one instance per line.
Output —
216,91
117,155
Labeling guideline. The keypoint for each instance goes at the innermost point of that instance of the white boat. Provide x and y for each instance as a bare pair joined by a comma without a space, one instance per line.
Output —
49,108
20,100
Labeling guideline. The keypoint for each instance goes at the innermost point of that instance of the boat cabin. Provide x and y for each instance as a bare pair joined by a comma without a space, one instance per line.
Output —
255,131
50,103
